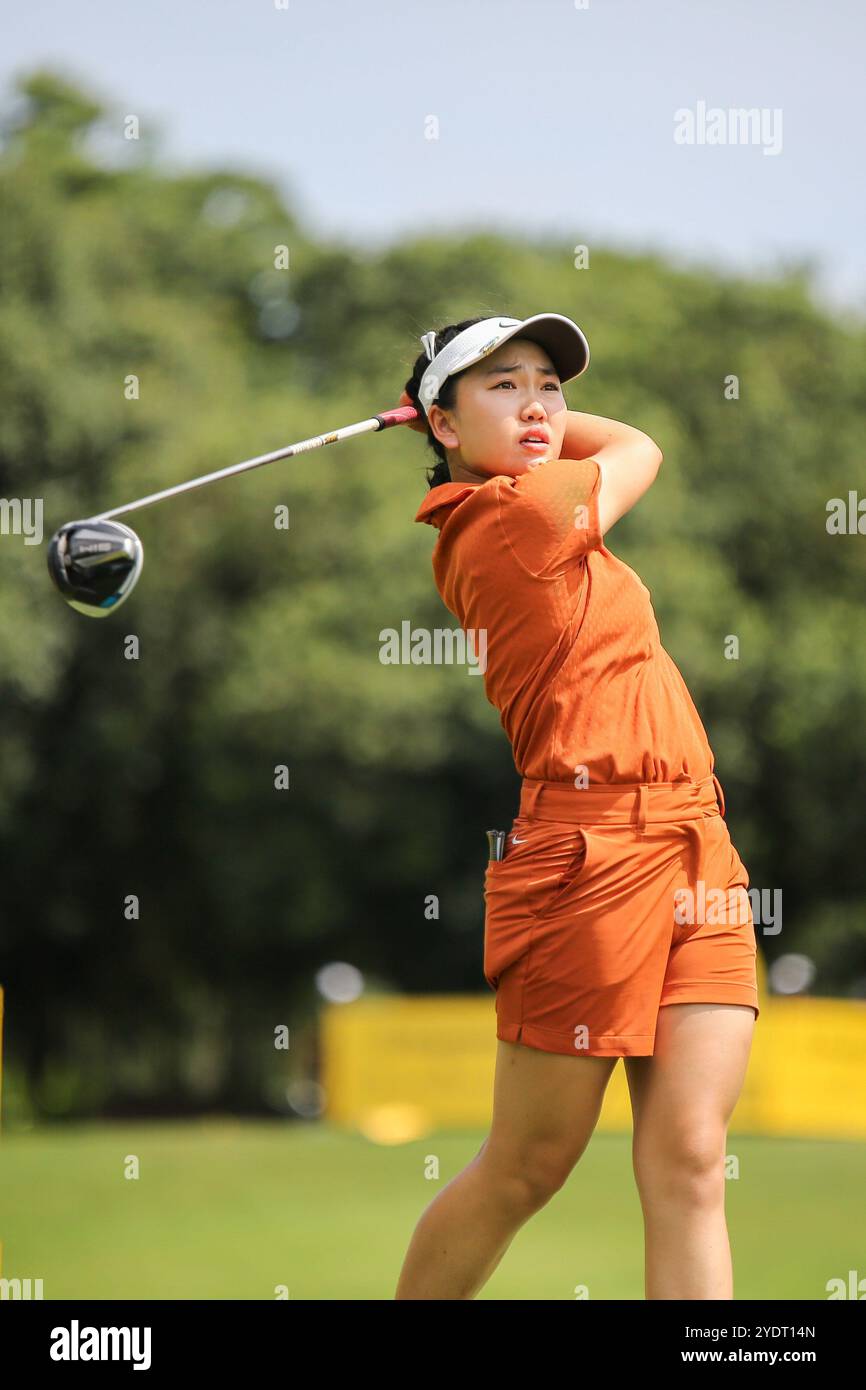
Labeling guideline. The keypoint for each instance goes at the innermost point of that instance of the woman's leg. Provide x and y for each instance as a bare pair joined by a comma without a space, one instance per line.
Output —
682,1099
545,1107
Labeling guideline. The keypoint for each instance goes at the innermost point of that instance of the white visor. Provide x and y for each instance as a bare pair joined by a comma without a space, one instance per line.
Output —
560,337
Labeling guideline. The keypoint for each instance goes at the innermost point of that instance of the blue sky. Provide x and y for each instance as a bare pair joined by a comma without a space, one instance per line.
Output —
551,118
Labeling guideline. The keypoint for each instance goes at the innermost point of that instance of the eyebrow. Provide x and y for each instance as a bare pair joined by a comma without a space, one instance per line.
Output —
545,371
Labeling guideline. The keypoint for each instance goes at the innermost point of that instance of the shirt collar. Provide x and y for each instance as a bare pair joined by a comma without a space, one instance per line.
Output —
446,495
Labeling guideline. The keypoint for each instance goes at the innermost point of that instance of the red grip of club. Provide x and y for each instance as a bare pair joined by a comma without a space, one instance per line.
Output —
400,415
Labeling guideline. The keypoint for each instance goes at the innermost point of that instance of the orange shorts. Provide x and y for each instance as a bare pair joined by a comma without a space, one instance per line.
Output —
610,902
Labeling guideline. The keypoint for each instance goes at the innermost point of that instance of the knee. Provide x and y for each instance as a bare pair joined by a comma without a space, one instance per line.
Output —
527,1178
686,1164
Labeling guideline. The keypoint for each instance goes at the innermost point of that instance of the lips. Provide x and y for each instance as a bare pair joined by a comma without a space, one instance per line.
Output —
541,436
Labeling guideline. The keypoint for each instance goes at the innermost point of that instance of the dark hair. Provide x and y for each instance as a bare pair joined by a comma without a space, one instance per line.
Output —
446,399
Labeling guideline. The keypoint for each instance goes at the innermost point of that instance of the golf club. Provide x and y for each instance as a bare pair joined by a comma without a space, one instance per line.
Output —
95,563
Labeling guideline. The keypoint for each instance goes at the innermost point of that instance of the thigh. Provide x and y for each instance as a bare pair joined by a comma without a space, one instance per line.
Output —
691,1084
545,1107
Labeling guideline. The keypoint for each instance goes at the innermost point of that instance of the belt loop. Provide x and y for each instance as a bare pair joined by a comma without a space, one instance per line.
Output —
641,806
530,796
719,793
696,830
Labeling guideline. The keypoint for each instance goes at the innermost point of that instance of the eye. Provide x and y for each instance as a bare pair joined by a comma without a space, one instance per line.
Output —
548,385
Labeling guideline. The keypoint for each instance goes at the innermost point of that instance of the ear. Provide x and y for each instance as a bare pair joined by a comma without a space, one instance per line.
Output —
439,421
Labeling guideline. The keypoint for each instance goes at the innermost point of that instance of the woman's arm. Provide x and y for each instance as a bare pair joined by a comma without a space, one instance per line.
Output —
629,460
587,435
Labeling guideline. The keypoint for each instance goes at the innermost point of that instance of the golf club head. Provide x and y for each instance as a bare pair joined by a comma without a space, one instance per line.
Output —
95,564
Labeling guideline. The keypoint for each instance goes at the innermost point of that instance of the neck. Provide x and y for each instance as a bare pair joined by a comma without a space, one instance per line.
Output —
462,473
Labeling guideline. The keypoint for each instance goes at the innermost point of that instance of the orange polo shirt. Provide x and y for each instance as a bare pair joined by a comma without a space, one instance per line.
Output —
574,661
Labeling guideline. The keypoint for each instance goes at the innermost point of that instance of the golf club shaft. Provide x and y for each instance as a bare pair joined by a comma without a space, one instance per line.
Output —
401,415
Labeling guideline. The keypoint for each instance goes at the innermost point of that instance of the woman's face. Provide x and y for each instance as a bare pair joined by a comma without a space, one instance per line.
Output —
513,392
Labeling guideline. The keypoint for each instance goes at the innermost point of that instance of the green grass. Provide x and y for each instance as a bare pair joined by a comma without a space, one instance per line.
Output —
229,1209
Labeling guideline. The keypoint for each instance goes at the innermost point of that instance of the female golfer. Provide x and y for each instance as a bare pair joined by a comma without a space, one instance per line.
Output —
617,921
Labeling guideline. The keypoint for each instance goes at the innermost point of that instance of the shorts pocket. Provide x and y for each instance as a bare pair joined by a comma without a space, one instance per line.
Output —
520,890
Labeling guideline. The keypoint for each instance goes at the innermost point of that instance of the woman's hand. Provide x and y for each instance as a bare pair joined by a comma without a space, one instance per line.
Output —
421,423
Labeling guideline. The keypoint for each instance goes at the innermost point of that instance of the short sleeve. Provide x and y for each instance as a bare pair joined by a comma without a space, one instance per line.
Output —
550,514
